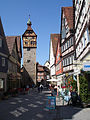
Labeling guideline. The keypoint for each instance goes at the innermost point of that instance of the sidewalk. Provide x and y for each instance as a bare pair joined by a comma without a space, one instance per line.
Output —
65,112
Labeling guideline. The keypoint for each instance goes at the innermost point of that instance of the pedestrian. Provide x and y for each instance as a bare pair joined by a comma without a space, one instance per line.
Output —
38,89
28,89
41,87
74,97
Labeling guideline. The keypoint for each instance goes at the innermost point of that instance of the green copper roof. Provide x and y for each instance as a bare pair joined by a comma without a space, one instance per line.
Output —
29,22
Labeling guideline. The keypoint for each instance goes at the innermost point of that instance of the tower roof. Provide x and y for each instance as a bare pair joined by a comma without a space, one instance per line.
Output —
29,22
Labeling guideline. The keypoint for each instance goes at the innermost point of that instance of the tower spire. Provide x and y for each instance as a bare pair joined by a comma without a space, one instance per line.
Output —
29,22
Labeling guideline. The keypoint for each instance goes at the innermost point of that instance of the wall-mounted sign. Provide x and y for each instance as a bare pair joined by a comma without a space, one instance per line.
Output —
86,66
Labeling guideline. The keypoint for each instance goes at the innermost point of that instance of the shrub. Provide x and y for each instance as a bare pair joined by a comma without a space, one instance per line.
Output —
83,88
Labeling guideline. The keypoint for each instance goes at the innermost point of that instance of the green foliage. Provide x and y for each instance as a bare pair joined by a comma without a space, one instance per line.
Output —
74,85
83,88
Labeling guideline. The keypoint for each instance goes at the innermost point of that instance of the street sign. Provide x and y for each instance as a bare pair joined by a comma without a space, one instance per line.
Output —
86,66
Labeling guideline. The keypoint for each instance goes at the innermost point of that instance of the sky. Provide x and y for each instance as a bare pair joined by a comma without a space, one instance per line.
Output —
45,16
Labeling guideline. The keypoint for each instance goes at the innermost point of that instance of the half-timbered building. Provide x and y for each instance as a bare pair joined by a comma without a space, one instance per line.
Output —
67,40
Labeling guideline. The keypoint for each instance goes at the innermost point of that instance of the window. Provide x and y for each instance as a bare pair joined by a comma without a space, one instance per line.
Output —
68,60
1,83
28,49
0,42
28,61
62,48
88,35
83,41
26,42
63,32
3,62
71,41
67,44
33,42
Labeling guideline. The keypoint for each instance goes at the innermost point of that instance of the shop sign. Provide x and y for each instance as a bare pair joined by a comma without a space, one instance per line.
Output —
86,66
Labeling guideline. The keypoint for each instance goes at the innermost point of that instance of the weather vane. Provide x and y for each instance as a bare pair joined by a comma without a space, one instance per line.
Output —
29,16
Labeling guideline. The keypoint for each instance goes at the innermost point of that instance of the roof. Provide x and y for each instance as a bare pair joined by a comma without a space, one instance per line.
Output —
19,45
54,39
1,28
68,12
29,29
4,48
40,68
11,41
59,42
29,22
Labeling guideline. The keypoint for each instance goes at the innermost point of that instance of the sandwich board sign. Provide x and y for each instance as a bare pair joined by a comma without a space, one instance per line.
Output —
51,102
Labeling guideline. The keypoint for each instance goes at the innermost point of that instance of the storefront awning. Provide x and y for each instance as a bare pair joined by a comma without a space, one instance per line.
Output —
53,80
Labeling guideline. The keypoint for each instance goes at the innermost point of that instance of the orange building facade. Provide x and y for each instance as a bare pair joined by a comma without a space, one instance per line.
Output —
59,68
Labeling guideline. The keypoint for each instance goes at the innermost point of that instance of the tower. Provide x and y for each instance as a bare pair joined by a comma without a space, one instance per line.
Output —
29,53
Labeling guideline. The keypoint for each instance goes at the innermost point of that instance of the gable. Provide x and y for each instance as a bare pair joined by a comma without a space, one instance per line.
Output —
29,33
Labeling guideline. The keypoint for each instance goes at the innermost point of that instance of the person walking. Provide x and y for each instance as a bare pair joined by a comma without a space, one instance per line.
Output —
74,97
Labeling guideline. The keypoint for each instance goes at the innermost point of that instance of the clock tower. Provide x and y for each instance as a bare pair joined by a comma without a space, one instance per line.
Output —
29,53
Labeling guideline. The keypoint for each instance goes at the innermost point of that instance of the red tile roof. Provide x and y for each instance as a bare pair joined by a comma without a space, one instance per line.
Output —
68,12
40,68
11,41
54,38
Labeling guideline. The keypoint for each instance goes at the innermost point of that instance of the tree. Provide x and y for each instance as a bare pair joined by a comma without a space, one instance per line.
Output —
83,88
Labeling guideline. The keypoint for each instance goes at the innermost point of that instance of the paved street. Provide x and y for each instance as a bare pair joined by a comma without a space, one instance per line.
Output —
33,107
26,107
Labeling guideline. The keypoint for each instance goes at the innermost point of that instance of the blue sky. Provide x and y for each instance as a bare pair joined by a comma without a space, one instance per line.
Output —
45,16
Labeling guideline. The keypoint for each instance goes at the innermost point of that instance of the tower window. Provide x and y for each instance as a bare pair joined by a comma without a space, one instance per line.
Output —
33,42
26,42
28,61
28,49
